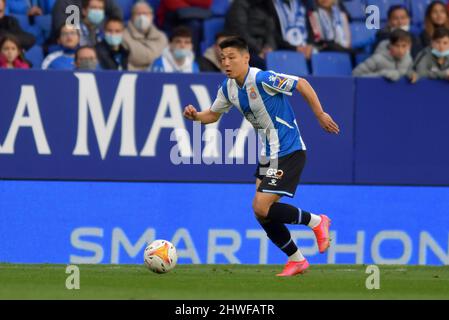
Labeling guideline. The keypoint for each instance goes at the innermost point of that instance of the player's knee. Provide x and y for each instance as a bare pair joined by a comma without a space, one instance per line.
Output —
260,209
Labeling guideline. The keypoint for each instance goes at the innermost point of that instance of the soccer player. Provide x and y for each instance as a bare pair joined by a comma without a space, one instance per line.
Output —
261,97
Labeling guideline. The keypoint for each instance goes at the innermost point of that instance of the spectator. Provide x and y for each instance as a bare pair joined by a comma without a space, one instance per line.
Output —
190,13
293,30
392,64
436,16
11,54
433,62
330,27
59,15
211,60
142,38
92,24
10,25
398,18
252,20
86,58
179,56
68,40
111,53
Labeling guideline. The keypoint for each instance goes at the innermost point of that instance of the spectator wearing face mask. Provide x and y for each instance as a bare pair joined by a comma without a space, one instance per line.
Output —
142,38
86,58
92,24
433,62
398,18
59,14
437,16
64,58
179,56
112,55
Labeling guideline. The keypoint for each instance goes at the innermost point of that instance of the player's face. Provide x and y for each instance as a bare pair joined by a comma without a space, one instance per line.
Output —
234,62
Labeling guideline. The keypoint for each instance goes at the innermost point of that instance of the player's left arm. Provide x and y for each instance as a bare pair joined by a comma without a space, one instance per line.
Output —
309,94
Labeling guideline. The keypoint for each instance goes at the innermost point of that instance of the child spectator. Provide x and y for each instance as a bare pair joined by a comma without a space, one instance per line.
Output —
111,53
433,62
10,25
86,58
330,26
69,39
142,38
398,18
179,56
211,60
11,55
391,64
436,16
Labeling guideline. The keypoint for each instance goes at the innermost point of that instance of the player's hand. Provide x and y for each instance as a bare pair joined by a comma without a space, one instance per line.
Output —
327,123
190,112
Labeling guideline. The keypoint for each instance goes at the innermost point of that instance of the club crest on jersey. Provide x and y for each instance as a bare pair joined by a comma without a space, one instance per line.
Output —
280,82
252,93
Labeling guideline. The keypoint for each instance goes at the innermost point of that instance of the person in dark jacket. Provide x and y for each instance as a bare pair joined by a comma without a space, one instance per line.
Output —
10,25
252,20
111,53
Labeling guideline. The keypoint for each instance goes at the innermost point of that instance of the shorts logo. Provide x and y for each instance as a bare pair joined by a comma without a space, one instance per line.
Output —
273,182
275,173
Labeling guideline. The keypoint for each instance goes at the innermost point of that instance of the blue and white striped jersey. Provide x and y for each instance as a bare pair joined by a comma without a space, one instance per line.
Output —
262,101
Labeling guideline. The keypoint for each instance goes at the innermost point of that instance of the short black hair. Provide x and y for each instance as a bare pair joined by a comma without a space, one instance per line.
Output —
440,33
181,32
397,7
82,48
234,42
400,35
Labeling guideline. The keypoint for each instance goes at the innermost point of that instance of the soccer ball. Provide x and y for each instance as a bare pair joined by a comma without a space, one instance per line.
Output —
160,256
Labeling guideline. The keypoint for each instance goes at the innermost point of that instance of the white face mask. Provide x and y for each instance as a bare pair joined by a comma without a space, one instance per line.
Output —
142,22
405,28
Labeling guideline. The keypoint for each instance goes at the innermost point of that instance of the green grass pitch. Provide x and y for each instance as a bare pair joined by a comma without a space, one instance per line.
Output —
222,282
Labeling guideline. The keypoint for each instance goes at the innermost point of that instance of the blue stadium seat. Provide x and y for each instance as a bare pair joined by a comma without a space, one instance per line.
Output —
126,6
44,23
210,28
361,57
220,7
356,9
289,62
154,4
23,21
35,56
361,36
418,8
331,64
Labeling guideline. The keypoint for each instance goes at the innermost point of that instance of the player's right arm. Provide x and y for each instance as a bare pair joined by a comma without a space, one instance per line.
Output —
207,116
